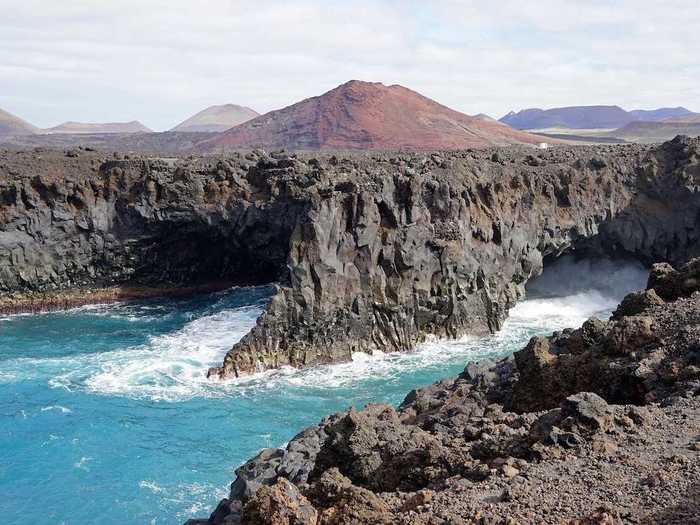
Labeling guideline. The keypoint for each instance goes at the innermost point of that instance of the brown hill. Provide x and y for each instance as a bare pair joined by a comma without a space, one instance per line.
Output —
217,118
107,127
12,125
364,115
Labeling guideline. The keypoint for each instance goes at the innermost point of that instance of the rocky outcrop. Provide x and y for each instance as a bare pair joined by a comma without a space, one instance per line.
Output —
593,425
74,223
371,251
444,244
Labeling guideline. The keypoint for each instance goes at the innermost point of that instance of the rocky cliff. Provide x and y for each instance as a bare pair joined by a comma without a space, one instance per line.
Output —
73,224
397,248
598,425
371,251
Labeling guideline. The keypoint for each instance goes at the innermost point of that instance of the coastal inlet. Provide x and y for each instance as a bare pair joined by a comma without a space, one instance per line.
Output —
115,398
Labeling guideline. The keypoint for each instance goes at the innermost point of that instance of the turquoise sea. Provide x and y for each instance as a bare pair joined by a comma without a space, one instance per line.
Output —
106,415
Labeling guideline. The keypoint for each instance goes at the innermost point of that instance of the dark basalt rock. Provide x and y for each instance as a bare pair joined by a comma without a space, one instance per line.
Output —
371,251
412,247
637,302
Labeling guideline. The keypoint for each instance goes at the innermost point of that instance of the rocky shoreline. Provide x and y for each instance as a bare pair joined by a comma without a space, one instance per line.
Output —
372,251
377,251
597,425
17,303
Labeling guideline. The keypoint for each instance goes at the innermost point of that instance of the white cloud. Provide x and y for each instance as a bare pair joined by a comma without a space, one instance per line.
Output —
160,61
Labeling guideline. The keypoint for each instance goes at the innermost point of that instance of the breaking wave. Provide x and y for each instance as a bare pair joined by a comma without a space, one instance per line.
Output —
172,366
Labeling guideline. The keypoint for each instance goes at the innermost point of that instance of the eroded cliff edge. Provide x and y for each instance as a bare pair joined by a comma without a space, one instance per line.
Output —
371,251
398,248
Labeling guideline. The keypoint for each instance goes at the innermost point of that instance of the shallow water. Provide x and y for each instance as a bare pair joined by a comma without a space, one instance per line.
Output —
106,416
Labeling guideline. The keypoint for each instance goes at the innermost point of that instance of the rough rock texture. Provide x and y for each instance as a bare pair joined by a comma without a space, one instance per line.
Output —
76,221
372,251
598,425
443,244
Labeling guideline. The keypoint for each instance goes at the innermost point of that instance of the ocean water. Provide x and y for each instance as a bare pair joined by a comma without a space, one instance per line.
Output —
106,416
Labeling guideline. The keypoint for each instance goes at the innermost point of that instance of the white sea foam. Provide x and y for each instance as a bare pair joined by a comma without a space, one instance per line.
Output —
568,294
172,366
83,463
151,485
59,408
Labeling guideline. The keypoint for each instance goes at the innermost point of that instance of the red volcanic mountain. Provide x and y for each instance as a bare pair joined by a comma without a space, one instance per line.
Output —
364,115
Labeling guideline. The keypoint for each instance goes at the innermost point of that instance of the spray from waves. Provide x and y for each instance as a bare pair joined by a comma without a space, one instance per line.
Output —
568,276
171,367
570,291
168,367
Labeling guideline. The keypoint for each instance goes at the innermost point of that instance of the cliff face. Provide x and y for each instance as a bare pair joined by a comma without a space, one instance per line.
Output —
79,221
372,252
444,244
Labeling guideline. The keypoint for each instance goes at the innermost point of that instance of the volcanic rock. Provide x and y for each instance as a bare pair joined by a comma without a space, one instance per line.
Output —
371,252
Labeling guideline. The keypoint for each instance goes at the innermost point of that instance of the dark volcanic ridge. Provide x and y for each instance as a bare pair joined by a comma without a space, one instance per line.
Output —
370,251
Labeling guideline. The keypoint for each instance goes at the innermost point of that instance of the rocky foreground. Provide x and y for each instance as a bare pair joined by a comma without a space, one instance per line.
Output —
598,425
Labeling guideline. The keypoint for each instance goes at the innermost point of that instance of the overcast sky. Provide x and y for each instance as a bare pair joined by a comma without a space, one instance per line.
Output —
159,61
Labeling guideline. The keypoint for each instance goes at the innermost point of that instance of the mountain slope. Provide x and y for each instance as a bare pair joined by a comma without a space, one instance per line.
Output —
589,117
12,125
217,118
107,127
692,118
364,115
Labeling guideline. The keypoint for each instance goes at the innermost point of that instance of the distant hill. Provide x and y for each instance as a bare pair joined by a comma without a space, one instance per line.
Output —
217,118
75,128
168,142
365,115
574,117
652,132
693,117
12,125
656,115
587,117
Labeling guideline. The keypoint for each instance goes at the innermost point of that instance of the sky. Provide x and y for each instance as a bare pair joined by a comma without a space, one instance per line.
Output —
161,61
